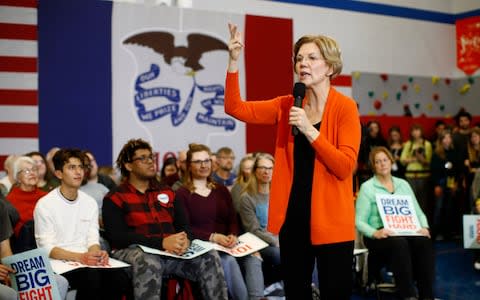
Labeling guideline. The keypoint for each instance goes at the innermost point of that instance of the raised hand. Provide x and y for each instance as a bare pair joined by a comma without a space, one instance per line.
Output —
235,46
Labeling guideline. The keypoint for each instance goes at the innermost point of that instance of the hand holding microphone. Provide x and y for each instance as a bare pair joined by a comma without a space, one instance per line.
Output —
298,95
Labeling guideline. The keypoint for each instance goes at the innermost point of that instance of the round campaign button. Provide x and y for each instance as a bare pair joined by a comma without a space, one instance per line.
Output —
163,198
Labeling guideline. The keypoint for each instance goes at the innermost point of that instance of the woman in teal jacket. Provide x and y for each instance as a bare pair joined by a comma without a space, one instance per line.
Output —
410,258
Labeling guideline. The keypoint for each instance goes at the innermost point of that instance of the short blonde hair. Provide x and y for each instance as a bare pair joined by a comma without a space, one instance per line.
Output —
328,49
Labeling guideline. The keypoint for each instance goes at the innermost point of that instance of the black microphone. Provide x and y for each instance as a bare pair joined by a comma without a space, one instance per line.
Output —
298,95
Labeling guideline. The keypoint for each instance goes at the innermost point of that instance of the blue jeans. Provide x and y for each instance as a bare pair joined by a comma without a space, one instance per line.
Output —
247,286
253,274
62,285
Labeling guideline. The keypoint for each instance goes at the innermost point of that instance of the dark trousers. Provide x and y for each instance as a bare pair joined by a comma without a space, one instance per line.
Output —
334,265
410,258
101,284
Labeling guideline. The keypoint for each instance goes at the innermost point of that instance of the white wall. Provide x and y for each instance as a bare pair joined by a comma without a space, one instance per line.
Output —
370,43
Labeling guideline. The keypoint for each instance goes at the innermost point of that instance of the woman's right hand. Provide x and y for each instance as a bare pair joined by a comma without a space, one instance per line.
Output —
235,46
227,241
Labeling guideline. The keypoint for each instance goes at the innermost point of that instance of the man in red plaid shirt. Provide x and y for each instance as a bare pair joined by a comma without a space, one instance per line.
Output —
141,211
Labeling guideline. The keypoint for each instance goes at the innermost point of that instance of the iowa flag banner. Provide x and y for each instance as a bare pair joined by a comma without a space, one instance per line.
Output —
169,67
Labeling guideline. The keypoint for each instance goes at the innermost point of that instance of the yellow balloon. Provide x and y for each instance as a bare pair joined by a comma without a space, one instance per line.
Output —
465,88
417,88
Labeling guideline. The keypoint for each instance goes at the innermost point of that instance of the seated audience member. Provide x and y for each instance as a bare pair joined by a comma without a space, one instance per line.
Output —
169,172
409,257
24,196
182,167
66,225
213,157
446,168
97,191
7,181
224,174
7,293
111,172
253,210
94,176
50,166
46,180
141,211
244,172
94,189
212,217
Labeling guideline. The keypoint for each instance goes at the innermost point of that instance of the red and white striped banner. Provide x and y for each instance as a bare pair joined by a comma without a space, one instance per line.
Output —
18,77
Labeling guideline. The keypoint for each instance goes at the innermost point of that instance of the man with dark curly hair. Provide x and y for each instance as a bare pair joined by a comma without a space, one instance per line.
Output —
141,211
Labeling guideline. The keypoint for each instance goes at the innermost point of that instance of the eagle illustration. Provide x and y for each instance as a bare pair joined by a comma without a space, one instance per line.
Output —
163,43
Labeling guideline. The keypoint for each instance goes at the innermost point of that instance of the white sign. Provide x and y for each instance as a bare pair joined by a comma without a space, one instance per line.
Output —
33,277
398,214
63,266
471,231
248,243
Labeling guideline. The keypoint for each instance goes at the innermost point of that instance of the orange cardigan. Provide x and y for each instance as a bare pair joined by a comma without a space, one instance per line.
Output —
336,148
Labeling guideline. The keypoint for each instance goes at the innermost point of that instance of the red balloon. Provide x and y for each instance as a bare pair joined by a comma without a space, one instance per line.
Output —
377,104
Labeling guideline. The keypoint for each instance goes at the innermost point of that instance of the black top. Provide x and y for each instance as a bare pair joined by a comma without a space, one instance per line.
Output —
298,212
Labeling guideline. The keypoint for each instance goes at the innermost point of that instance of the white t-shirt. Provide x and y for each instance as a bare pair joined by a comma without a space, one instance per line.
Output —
70,225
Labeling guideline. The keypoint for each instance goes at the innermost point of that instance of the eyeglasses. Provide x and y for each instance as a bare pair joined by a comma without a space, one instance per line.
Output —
144,159
263,168
28,171
201,162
